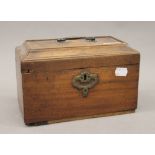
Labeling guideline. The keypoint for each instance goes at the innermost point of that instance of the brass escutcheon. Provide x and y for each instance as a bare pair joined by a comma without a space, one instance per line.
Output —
85,81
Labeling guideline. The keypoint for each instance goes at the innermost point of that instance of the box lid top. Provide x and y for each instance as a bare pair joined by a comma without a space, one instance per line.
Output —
71,42
77,52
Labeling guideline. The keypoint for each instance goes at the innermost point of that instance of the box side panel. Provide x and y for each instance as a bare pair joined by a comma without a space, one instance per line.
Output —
19,78
50,96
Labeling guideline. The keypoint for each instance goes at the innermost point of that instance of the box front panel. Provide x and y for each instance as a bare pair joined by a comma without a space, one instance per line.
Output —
52,96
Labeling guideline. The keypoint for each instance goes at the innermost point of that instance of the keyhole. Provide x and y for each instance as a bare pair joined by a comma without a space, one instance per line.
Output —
85,77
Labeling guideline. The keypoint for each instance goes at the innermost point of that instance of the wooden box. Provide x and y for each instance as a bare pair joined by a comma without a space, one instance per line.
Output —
76,78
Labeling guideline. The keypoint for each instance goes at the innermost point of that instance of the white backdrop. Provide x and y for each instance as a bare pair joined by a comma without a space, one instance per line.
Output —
139,35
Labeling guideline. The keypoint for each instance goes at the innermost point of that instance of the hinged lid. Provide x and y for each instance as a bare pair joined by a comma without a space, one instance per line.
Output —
76,52
71,42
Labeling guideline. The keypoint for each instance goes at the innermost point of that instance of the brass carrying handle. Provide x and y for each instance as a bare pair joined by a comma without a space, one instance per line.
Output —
84,81
61,40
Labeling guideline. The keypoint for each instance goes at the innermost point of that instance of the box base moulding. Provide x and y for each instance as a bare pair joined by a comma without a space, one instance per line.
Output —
80,118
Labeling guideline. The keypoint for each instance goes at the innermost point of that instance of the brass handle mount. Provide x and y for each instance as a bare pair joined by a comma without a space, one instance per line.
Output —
90,39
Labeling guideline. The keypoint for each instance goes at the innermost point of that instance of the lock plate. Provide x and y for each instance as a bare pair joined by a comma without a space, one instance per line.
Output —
84,81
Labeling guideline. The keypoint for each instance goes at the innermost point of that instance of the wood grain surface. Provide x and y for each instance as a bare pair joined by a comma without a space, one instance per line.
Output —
47,71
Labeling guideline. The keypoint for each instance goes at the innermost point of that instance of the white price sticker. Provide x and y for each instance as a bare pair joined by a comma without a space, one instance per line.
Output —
121,71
